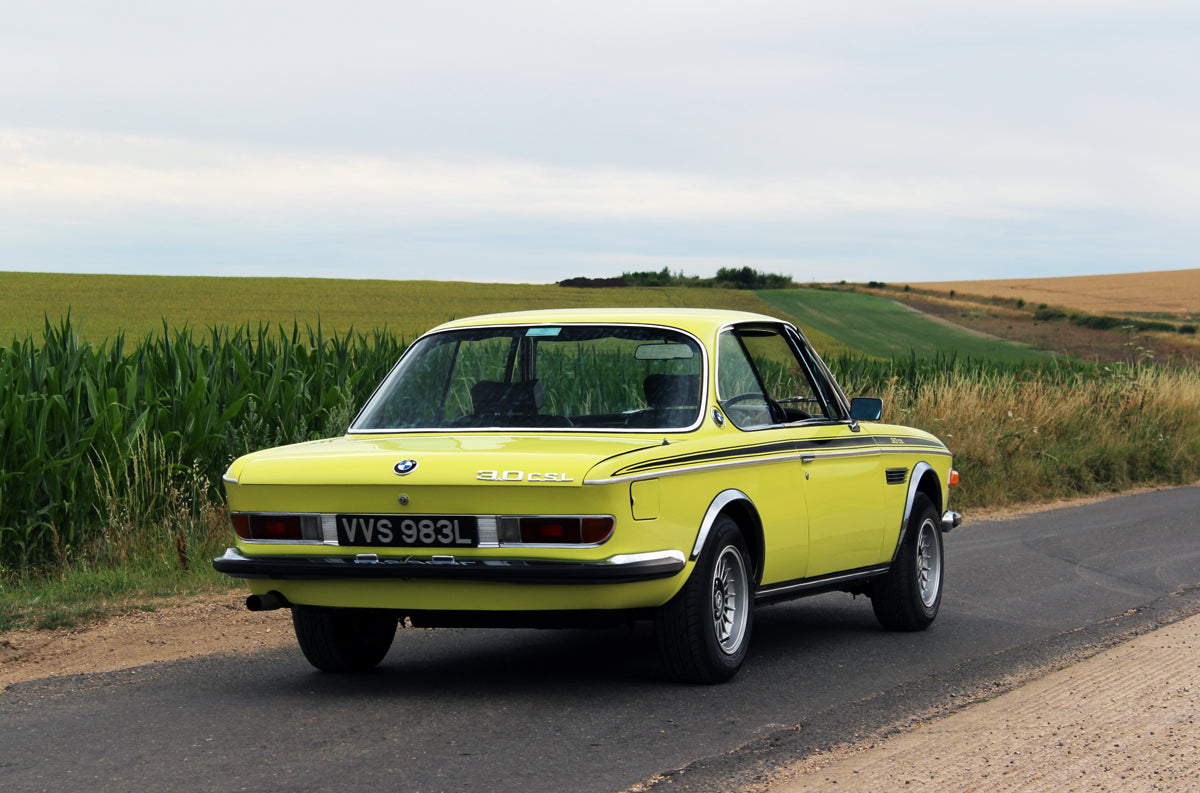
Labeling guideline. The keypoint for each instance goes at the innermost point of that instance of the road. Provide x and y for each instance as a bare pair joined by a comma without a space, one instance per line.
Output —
523,711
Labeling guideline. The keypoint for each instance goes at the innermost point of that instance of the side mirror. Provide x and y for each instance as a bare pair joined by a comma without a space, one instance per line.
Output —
866,409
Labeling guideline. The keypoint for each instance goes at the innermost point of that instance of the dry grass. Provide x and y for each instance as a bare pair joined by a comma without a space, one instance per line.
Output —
1019,441
1175,293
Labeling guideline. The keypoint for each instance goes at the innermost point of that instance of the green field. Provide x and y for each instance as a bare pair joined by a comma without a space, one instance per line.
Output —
115,425
101,306
885,329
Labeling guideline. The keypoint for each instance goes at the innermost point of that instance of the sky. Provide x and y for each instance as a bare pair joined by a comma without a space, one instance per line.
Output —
527,141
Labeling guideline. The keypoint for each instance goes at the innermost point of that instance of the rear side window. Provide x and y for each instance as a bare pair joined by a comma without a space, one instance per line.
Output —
764,379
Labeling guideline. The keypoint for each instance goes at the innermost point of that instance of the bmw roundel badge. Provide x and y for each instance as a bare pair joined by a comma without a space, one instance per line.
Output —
405,467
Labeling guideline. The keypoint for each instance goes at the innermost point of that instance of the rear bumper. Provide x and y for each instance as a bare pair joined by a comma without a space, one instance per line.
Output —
624,569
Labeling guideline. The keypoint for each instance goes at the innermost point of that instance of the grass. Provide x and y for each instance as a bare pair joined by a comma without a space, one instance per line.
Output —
1039,438
127,567
80,595
103,306
1023,431
881,328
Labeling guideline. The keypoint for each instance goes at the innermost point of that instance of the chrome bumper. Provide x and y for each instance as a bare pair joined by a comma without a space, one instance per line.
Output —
621,569
950,520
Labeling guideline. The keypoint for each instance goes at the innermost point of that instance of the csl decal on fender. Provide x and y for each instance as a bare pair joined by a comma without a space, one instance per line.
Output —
521,476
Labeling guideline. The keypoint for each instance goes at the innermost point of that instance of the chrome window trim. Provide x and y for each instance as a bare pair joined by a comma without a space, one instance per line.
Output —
813,365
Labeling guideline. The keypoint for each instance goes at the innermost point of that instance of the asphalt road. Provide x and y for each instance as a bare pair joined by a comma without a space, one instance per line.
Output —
590,711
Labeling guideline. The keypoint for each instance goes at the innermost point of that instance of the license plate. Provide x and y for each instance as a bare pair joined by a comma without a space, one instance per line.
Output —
408,531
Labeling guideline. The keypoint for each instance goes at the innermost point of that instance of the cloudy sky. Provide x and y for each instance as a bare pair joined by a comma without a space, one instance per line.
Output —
532,141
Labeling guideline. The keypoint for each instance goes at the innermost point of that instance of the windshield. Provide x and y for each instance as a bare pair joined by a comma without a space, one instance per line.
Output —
617,377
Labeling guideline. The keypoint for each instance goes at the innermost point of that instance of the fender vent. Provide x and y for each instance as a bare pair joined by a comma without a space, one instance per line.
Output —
896,476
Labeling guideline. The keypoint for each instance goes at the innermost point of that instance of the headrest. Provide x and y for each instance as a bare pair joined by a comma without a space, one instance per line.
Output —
490,396
672,390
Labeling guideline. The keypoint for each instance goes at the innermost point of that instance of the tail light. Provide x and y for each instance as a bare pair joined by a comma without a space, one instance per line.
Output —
281,528
555,530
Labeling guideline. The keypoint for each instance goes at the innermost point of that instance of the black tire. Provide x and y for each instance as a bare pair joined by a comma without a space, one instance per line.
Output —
703,631
343,640
908,596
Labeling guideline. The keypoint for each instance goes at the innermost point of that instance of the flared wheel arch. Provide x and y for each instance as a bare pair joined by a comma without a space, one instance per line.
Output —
923,480
738,506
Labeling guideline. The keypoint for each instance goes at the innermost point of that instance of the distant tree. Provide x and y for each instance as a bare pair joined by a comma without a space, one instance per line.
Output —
593,283
749,278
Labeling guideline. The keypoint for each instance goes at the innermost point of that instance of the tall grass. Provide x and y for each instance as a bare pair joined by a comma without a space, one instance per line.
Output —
1026,434
110,457
96,440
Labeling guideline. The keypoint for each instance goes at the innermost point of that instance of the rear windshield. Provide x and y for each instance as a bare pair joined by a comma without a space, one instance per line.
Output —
543,377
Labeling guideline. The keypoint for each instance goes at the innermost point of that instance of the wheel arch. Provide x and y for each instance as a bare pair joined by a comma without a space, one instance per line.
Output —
738,506
923,480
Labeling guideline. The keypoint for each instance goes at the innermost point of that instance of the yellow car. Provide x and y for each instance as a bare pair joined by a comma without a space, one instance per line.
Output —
588,467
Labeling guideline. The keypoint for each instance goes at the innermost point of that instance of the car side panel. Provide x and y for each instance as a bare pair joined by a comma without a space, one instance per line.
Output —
843,480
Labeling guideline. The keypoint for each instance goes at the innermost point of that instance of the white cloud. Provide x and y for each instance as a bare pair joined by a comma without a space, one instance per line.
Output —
729,124
115,174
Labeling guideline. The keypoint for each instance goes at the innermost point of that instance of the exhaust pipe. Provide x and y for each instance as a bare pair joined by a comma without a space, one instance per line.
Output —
267,602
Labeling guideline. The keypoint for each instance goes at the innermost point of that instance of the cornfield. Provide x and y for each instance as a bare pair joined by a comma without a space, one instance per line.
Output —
88,429
97,441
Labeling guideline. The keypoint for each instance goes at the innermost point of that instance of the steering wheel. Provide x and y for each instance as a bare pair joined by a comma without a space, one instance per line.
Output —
742,397
774,410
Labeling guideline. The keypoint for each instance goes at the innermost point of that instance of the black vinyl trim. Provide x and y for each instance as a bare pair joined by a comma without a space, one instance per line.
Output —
801,587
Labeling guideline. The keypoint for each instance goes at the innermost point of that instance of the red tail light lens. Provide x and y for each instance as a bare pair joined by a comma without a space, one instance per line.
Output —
250,526
548,530
594,531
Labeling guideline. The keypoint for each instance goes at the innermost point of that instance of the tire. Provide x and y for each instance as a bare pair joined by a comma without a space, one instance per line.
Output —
908,596
343,640
703,631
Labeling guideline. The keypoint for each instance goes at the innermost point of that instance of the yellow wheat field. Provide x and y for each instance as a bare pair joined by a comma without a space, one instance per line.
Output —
1170,292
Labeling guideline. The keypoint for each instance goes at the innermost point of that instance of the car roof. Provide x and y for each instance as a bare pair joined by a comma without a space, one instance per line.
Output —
699,321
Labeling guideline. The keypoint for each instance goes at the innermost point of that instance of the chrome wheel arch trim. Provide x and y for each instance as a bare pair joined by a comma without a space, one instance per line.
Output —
723,499
914,486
